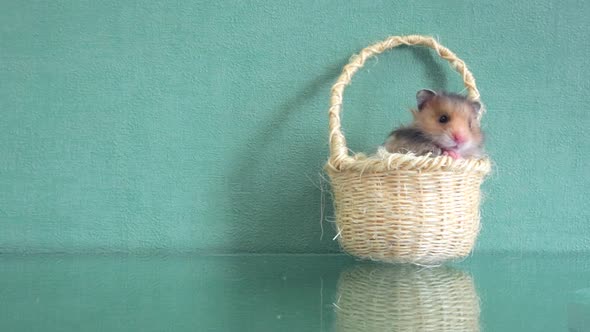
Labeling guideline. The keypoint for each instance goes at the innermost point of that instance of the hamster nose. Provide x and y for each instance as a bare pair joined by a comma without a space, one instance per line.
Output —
459,138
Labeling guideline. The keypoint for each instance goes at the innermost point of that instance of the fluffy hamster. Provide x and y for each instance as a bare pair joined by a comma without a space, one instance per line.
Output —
444,124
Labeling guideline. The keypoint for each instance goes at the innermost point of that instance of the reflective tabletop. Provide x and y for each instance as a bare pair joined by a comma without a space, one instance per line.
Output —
292,293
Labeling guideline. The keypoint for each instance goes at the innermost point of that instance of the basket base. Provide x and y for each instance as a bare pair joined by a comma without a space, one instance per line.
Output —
429,259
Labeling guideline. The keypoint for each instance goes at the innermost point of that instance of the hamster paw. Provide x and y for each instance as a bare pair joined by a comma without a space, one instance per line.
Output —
452,154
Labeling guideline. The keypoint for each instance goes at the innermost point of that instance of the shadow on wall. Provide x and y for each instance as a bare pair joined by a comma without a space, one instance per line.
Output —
280,200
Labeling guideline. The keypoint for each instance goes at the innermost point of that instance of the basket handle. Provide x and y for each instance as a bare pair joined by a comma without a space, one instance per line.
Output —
338,149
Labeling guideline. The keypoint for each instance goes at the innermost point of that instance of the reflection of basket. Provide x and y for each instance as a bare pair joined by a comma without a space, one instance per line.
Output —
406,298
398,207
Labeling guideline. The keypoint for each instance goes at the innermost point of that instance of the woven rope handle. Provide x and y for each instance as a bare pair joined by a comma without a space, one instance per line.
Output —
338,149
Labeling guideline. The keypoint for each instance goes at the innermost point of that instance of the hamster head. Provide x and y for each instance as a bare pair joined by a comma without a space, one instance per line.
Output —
449,120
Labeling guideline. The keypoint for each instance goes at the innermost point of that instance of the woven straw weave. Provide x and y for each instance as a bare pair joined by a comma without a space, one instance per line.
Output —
406,298
400,207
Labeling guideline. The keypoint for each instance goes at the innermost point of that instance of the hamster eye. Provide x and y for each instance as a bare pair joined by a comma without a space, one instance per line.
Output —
443,119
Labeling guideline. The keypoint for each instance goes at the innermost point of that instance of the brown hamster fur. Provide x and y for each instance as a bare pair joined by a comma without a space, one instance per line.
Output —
444,124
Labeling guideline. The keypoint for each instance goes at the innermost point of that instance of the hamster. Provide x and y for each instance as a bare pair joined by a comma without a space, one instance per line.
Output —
444,124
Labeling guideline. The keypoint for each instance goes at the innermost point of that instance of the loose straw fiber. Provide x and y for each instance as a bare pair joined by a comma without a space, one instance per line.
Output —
401,207
406,298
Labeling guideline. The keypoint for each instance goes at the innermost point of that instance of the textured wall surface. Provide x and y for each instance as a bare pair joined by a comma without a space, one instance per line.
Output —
201,125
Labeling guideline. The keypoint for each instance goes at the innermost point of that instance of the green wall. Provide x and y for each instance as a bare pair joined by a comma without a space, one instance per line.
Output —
202,126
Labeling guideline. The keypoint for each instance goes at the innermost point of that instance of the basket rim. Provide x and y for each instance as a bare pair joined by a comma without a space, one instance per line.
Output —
383,162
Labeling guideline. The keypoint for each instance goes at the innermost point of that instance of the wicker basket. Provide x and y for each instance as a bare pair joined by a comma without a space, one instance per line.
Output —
406,298
400,207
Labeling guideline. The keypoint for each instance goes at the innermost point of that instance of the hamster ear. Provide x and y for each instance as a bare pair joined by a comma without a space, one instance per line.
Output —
423,96
476,106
